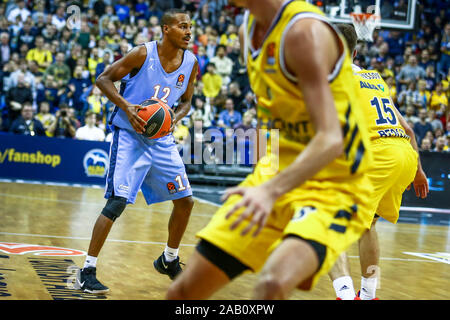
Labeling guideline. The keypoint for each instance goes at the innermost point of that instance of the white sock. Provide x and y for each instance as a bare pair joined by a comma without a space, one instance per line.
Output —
170,254
368,288
90,262
344,288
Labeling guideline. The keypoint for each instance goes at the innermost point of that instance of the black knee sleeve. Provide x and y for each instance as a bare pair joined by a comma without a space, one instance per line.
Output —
114,207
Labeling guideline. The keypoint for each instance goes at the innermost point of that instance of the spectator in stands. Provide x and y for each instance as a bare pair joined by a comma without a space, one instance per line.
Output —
59,70
202,110
390,81
212,82
73,117
83,36
20,11
235,93
34,69
77,86
63,127
444,62
247,121
204,17
181,135
425,145
211,47
5,49
438,100
26,124
101,66
410,115
422,126
248,103
28,77
430,77
434,121
93,61
90,131
411,72
26,35
45,117
122,10
97,102
49,92
229,117
424,94
425,60
17,96
441,145
409,97
202,59
229,37
42,56
223,64
59,19
141,8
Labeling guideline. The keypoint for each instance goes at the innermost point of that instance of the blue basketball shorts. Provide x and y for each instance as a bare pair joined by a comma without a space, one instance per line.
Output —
155,166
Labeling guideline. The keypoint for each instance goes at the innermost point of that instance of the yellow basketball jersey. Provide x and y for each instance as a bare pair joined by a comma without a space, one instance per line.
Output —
280,104
377,106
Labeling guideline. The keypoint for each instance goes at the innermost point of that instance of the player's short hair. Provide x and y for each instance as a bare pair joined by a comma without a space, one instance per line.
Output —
349,33
169,15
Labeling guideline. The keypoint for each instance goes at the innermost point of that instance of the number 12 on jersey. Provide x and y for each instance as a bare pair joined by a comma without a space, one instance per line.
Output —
385,112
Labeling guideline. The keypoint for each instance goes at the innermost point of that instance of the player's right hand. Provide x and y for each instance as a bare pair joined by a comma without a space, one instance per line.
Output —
420,184
136,122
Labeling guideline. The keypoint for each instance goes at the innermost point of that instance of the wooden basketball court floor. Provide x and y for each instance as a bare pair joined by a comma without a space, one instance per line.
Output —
63,217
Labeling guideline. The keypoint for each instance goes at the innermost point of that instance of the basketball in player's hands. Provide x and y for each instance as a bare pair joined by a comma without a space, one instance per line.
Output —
158,117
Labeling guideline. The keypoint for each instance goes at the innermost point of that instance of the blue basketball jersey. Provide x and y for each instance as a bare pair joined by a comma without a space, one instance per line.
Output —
152,81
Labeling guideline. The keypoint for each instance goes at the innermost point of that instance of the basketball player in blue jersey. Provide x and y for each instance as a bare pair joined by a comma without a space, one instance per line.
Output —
163,70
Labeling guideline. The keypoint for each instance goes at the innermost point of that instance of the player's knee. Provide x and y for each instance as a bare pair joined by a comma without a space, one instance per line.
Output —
185,204
114,207
268,287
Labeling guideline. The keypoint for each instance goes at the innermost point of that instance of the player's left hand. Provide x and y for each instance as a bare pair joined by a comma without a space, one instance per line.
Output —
420,184
258,201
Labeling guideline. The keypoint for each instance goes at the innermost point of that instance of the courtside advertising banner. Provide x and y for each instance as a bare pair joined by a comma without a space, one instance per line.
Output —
53,159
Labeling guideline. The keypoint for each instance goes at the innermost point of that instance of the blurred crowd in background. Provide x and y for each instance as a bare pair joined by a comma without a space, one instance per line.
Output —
49,62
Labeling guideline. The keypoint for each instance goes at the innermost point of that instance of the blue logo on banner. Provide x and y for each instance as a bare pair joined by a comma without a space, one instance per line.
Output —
96,163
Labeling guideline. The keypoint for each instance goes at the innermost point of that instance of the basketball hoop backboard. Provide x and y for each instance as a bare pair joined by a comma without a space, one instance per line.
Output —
394,14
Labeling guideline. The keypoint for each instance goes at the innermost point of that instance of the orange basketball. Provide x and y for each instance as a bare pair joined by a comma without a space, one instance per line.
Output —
158,116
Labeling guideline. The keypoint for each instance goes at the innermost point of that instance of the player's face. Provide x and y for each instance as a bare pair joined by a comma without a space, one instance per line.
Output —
180,30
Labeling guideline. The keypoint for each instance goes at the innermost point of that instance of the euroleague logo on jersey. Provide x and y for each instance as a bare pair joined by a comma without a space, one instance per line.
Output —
38,250
271,53
180,80
171,187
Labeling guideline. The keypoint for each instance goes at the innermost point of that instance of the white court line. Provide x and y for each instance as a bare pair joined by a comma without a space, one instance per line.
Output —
62,184
85,238
381,227
92,204
183,245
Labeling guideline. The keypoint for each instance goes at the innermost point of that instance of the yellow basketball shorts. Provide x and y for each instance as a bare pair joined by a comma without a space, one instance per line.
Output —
394,169
328,213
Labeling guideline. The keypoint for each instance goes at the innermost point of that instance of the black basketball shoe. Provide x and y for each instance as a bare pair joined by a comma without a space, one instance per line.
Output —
172,269
87,281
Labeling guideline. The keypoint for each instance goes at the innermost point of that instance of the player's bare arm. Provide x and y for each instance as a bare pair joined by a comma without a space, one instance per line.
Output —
311,54
185,100
130,63
420,182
